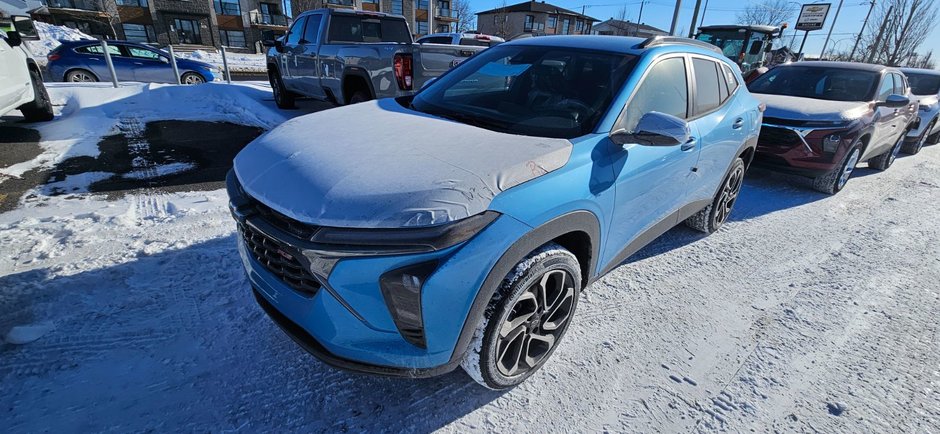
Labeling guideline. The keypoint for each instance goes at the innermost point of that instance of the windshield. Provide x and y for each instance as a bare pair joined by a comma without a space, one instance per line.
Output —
833,84
924,84
535,91
730,42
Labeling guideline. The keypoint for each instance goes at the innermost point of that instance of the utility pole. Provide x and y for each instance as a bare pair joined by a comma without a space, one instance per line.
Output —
705,9
874,47
862,31
675,18
639,20
822,53
698,3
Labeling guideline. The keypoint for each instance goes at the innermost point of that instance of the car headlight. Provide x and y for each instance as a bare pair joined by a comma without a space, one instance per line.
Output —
831,143
403,240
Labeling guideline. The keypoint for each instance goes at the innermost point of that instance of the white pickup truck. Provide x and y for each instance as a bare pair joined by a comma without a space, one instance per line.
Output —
20,79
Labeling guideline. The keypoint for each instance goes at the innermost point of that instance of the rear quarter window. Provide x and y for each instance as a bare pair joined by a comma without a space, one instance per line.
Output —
707,92
353,28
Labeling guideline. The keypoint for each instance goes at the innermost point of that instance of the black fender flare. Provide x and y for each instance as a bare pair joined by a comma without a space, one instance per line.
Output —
355,71
574,221
31,64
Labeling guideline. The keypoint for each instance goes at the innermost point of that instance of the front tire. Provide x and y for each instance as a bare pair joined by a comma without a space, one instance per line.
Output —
710,218
282,97
834,181
191,78
526,319
40,108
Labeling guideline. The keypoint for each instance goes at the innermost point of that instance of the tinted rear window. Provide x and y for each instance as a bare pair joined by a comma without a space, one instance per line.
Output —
353,28
834,84
924,84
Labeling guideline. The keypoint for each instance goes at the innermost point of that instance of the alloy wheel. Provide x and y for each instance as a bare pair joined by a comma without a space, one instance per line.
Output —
536,322
192,79
849,167
80,77
729,194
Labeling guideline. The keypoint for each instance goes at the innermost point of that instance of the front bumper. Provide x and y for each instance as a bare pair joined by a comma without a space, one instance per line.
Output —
799,150
349,324
925,119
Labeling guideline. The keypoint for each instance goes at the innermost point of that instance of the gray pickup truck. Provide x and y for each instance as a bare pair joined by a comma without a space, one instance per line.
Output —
352,56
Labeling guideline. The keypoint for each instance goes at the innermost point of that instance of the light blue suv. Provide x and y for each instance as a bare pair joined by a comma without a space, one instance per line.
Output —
458,227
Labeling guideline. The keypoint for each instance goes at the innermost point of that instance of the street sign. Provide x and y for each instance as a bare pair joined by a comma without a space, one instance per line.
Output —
813,16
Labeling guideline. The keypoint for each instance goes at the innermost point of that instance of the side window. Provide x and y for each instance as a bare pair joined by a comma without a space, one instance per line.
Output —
707,96
96,49
887,87
143,53
722,84
296,31
730,79
312,31
664,90
900,87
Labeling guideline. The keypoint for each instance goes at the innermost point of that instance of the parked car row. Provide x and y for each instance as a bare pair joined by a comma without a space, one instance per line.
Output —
84,61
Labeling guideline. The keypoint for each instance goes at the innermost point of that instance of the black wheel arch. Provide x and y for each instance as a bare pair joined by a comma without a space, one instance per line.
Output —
578,231
351,75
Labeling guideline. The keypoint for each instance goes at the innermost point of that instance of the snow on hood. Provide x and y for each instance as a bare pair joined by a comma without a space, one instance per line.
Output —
378,164
809,109
927,100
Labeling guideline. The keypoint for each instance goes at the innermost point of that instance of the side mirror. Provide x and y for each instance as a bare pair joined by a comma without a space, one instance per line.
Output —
895,101
24,26
13,38
164,59
655,129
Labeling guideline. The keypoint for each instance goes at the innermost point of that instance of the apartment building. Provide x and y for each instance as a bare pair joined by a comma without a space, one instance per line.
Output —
535,18
416,12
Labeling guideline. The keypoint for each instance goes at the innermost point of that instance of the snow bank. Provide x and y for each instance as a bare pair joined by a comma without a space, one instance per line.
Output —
237,62
90,111
50,35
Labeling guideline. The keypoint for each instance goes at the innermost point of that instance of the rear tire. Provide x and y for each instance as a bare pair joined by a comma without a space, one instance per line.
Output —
282,97
526,319
710,218
834,181
40,108
885,160
80,76
360,96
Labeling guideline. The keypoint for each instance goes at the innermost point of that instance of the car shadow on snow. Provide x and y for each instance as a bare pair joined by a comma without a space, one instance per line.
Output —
18,145
174,341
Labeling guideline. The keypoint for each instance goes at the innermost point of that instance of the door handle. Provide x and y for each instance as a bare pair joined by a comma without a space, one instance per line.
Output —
688,145
738,124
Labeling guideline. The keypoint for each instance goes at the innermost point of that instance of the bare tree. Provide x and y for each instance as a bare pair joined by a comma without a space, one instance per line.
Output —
906,27
466,19
768,12
501,21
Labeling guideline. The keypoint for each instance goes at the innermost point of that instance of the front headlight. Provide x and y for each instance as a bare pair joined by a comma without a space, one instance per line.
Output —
831,143
403,240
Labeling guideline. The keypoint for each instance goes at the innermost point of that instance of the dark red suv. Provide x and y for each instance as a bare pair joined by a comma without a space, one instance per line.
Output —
823,118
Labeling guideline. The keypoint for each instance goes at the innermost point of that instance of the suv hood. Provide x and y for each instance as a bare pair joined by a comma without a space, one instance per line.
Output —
379,165
810,109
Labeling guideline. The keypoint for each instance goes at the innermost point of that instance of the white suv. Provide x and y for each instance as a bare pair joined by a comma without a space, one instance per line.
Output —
20,79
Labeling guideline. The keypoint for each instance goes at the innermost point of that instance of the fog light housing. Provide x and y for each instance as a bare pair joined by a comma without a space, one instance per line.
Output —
401,289
831,143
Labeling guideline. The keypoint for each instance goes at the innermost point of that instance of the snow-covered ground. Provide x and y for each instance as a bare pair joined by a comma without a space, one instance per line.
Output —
237,62
804,313
49,37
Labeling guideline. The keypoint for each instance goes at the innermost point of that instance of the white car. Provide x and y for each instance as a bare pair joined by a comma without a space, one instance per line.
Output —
474,39
925,85
20,78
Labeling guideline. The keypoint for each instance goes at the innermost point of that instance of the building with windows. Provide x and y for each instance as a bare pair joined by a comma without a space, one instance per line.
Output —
626,28
533,18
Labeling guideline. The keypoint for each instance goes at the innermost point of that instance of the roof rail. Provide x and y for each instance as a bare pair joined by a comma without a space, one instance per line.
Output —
656,41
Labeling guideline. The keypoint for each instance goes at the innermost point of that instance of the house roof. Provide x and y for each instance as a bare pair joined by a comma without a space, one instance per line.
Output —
620,24
537,6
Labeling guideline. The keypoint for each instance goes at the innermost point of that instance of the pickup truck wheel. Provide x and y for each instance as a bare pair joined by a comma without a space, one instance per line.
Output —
710,218
833,181
40,108
359,96
884,161
80,76
526,319
282,97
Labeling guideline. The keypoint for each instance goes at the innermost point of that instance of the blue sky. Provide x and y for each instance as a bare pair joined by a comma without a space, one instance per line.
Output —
658,13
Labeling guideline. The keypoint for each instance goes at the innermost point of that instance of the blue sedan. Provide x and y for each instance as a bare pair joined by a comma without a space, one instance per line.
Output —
82,61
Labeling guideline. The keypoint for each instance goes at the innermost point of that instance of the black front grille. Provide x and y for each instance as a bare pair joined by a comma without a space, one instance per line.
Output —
283,222
274,257
774,137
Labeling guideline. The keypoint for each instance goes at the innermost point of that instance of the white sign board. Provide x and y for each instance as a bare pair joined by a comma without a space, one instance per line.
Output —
813,16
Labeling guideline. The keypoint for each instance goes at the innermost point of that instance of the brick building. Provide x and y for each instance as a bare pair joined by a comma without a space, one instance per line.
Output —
535,18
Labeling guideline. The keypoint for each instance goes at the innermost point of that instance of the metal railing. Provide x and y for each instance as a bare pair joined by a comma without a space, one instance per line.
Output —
447,13
268,19
88,5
